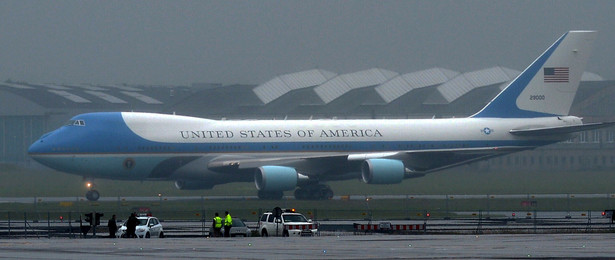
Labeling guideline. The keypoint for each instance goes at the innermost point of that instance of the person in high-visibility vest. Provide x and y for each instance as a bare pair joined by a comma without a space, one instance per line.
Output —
217,225
228,223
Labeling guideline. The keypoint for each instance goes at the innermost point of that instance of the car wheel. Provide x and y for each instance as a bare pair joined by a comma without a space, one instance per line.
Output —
285,234
147,235
161,235
264,233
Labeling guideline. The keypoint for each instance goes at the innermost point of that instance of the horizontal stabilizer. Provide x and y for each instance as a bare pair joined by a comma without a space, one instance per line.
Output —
559,130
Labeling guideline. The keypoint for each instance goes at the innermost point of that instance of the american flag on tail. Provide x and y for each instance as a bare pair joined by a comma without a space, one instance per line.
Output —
556,74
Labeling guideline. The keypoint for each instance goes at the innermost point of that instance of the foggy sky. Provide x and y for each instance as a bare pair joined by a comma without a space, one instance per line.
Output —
180,42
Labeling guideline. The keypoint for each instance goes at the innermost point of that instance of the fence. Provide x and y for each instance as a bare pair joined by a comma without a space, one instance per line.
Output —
191,216
72,224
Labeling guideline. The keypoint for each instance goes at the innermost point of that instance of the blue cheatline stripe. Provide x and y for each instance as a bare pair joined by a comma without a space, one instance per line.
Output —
111,167
273,147
505,104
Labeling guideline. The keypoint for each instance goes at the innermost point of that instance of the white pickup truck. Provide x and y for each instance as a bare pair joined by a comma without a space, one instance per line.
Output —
287,224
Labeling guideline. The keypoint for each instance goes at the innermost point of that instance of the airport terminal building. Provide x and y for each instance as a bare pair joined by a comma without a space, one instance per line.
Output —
28,110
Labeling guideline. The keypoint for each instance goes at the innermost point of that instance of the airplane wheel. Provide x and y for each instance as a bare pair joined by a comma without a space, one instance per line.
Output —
324,192
92,195
327,194
301,194
314,192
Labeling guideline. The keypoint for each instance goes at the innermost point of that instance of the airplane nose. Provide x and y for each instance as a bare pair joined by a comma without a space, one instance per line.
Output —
40,146
36,147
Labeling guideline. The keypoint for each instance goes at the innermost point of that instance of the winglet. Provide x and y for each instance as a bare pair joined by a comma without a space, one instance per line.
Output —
548,86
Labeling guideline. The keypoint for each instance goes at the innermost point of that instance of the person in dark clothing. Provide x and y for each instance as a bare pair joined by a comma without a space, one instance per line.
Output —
112,224
131,226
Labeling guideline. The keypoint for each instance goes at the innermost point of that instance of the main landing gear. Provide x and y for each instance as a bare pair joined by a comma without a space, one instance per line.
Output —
92,194
314,192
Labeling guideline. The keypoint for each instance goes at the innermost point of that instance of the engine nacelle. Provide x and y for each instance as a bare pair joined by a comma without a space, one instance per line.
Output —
382,171
193,185
275,178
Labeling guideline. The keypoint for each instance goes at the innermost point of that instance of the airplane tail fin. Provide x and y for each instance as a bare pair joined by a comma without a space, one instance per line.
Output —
548,86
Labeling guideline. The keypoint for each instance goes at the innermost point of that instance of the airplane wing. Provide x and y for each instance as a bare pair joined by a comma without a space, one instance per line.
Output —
559,130
423,162
310,164
417,162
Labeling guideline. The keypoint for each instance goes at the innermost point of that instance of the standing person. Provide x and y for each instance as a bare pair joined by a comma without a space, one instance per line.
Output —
112,224
131,225
228,223
217,225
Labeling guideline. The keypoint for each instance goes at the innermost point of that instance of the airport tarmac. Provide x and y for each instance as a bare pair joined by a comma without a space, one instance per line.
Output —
344,197
376,246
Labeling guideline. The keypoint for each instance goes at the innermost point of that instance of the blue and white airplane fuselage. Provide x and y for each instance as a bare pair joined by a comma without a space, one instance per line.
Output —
158,137
281,155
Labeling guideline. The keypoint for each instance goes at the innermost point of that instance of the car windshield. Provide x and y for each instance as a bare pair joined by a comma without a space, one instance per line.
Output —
294,218
142,222
238,223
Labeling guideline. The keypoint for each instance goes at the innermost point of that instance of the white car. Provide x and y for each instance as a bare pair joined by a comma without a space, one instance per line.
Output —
239,229
289,224
147,227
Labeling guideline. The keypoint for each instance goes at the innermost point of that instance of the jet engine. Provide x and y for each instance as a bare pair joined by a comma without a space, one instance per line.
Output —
277,178
382,171
192,185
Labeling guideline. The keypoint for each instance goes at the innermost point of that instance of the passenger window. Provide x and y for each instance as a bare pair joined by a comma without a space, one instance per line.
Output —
270,218
264,218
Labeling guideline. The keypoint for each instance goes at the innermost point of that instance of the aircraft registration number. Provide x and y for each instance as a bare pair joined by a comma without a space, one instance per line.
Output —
537,97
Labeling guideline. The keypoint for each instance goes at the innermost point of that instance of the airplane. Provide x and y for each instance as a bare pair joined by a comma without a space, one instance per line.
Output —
283,155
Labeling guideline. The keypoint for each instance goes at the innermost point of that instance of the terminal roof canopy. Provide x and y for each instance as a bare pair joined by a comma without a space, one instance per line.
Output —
70,96
107,97
342,84
466,82
95,97
16,85
281,85
372,93
400,85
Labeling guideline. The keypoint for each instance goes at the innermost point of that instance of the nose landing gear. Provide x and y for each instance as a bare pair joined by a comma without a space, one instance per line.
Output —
91,194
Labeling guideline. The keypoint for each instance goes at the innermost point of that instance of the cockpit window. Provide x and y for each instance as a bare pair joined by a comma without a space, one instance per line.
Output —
76,122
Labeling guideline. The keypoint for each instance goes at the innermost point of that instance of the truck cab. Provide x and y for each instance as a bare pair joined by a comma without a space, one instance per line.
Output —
285,223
